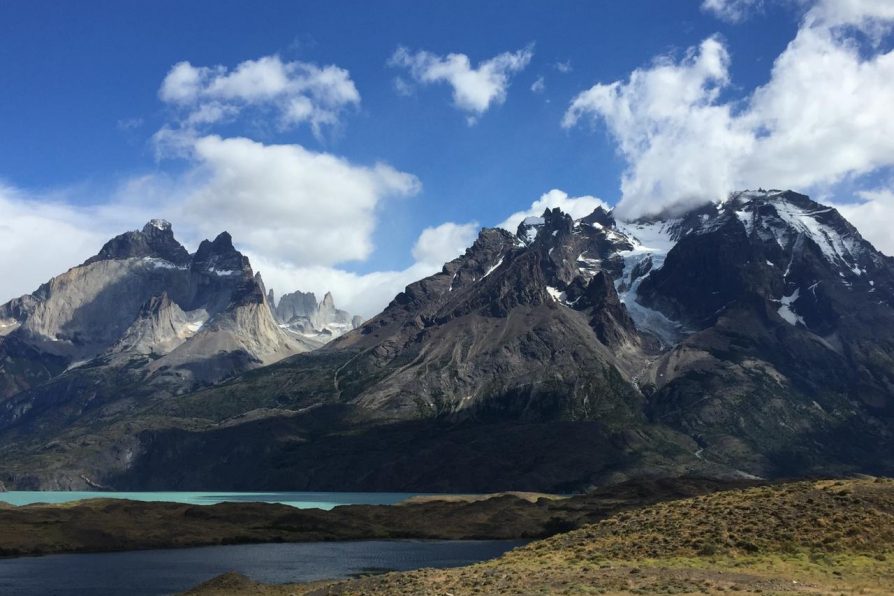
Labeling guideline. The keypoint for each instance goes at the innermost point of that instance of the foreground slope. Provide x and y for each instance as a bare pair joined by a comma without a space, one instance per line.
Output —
805,537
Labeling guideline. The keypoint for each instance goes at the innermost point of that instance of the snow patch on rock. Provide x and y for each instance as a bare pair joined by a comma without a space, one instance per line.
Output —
785,309
650,241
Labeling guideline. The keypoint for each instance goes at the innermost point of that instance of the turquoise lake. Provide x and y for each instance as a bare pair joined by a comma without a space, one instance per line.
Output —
301,500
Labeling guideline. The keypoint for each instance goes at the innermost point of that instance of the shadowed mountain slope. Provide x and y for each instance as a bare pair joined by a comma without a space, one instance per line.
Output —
746,338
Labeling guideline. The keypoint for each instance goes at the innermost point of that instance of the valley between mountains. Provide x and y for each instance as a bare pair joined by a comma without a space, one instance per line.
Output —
750,338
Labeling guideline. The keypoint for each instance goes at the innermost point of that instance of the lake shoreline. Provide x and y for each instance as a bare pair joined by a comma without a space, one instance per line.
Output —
107,525
809,536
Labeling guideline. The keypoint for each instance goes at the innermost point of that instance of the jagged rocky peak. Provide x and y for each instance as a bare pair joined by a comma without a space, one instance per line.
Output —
550,223
300,313
155,240
529,228
142,295
570,248
220,257
599,216
773,245
551,259
260,283
157,226
481,259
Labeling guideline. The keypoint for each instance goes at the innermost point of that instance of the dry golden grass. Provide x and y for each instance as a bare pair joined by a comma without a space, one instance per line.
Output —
827,537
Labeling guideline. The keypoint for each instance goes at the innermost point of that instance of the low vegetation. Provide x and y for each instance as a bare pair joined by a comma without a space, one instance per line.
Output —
803,537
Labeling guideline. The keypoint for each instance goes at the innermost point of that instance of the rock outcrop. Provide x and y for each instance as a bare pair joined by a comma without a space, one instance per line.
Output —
160,327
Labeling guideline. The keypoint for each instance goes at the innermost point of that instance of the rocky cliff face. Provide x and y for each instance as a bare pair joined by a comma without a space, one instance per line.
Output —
749,337
504,330
786,358
160,327
296,305
144,311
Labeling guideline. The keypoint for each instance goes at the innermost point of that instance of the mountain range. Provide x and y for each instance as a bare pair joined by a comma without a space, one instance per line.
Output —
749,337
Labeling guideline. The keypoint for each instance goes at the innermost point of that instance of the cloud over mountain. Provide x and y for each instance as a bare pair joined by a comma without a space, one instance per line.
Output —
576,207
822,117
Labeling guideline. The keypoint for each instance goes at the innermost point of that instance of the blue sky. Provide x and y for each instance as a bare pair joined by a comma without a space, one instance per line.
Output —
81,110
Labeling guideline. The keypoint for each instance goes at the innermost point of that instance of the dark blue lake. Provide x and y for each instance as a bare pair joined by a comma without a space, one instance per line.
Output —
152,572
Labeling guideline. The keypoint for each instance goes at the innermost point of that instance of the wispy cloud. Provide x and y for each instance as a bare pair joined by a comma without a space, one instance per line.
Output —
296,92
563,67
732,11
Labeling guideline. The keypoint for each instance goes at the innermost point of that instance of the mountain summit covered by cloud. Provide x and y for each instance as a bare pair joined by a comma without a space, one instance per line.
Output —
688,135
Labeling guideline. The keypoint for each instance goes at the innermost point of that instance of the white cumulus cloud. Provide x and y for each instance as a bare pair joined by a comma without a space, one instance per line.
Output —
822,117
437,245
830,13
475,90
864,13
43,236
288,202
